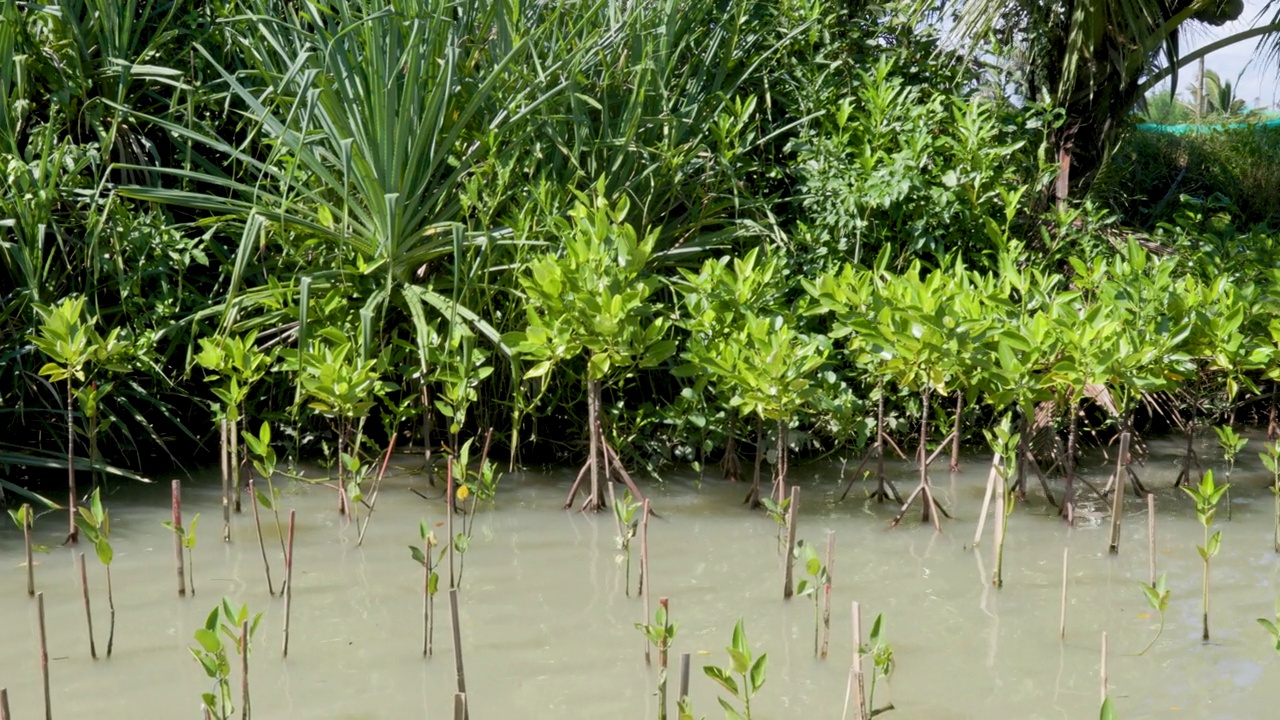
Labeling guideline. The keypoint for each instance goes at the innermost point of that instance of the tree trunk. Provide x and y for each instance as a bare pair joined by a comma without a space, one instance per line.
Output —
1068,497
595,498
955,436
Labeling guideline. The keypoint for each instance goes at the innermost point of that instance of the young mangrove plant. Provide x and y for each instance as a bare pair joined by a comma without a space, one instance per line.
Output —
1231,443
25,518
1005,445
812,586
1273,627
1271,460
480,485
660,633
881,654
1206,496
187,535
624,511
743,677
1158,598
595,300
238,628
95,523
778,512
423,555
234,365
72,345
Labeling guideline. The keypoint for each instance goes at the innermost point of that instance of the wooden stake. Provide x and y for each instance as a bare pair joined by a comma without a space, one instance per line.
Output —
88,614
826,595
662,662
176,492
288,582
28,520
1103,672
235,465
448,499
457,646
856,688
1117,498
459,706
426,597
244,670
262,545
1062,616
644,573
377,484
684,677
226,485
986,499
997,577
44,657
1151,538
4,704
788,590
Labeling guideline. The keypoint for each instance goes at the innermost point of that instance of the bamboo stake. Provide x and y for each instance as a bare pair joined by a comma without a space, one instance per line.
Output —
176,492
44,657
426,597
997,551
1118,496
459,706
684,677
1103,672
986,499
826,596
856,688
664,603
244,670
1151,538
788,590
226,485
262,545
1062,617
457,647
377,484
27,521
644,572
448,499
4,704
235,464
88,614
288,583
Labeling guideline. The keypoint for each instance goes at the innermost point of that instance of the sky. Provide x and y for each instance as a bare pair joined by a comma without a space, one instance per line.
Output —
1259,82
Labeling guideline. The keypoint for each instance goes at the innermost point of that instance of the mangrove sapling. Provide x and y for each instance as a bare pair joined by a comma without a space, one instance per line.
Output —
1206,496
1231,443
1273,627
624,511
1271,460
1158,598
811,586
660,635
211,653
24,517
288,583
778,512
187,540
430,581
95,523
88,611
750,675
881,654
1004,444
263,456
594,300
478,486
236,365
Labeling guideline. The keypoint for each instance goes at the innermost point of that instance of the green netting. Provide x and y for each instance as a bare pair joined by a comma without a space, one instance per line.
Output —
1185,129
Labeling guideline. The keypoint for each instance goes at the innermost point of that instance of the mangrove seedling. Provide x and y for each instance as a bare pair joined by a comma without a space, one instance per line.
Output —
24,517
777,511
188,537
750,676
624,510
480,485
1231,443
239,365
1273,627
430,581
1158,599
211,652
1206,495
812,585
660,634
1005,444
95,523
263,456
1271,459
881,654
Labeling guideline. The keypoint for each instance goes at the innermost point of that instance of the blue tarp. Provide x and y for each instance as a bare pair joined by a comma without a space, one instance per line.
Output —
1184,129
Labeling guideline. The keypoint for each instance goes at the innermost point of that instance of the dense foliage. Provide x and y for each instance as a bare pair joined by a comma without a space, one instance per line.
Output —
666,228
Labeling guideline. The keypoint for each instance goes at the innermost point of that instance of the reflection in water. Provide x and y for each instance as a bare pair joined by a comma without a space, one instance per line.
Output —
550,633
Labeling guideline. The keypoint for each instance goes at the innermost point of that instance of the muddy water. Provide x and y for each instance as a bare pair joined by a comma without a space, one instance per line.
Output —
548,631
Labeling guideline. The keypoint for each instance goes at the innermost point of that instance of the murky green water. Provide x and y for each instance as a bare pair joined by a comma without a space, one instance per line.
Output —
548,632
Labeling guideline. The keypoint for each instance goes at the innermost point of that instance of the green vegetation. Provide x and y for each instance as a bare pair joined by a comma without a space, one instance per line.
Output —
743,678
1158,599
1206,496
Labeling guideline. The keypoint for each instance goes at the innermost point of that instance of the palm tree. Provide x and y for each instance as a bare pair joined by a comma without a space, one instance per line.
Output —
1094,59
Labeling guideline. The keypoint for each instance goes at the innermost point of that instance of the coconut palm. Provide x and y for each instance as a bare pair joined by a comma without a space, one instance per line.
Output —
1094,59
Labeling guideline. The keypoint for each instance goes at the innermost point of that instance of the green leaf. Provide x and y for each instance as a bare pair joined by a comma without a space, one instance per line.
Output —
417,554
720,676
1108,711
208,640
729,712
103,548
757,673
1269,626
740,661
